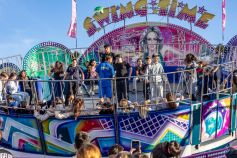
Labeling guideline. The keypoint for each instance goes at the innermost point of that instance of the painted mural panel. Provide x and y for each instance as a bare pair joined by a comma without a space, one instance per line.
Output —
170,41
39,59
9,67
59,134
215,119
157,127
20,134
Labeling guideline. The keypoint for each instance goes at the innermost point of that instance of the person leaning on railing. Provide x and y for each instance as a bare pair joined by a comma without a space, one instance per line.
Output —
12,89
3,79
139,72
92,74
200,75
123,70
57,73
24,84
73,72
146,84
105,71
156,78
191,75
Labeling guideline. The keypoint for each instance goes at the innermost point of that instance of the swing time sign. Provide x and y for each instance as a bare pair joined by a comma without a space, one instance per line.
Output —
141,8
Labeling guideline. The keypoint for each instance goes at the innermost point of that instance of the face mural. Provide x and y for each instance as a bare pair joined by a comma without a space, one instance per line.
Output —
170,42
152,42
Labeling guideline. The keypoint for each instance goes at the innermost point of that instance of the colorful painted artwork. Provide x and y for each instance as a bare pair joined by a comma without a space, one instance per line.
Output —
215,119
165,8
20,133
157,127
59,134
9,67
39,59
231,51
170,41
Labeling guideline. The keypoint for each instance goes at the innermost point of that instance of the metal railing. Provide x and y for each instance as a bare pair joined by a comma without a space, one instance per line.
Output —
181,84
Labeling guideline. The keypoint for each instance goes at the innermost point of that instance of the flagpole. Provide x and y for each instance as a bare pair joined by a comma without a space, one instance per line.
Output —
223,8
72,32
76,24
222,31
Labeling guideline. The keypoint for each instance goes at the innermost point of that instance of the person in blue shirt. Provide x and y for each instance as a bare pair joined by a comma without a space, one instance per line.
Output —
105,70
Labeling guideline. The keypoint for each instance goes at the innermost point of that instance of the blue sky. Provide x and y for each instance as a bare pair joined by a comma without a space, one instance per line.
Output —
25,23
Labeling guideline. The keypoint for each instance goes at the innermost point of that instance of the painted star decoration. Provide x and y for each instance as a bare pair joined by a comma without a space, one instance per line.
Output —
201,10
181,4
153,3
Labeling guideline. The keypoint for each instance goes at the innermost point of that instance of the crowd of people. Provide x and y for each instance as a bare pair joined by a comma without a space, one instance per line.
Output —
203,79
112,76
85,149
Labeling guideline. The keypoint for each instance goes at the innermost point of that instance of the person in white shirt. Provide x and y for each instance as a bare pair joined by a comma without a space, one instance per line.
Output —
12,89
156,78
3,78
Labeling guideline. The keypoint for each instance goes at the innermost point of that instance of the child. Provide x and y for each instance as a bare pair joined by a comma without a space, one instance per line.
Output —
156,78
191,75
92,75
139,72
13,104
3,79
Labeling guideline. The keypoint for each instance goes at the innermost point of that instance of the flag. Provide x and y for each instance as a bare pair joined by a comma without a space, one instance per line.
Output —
223,14
72,32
